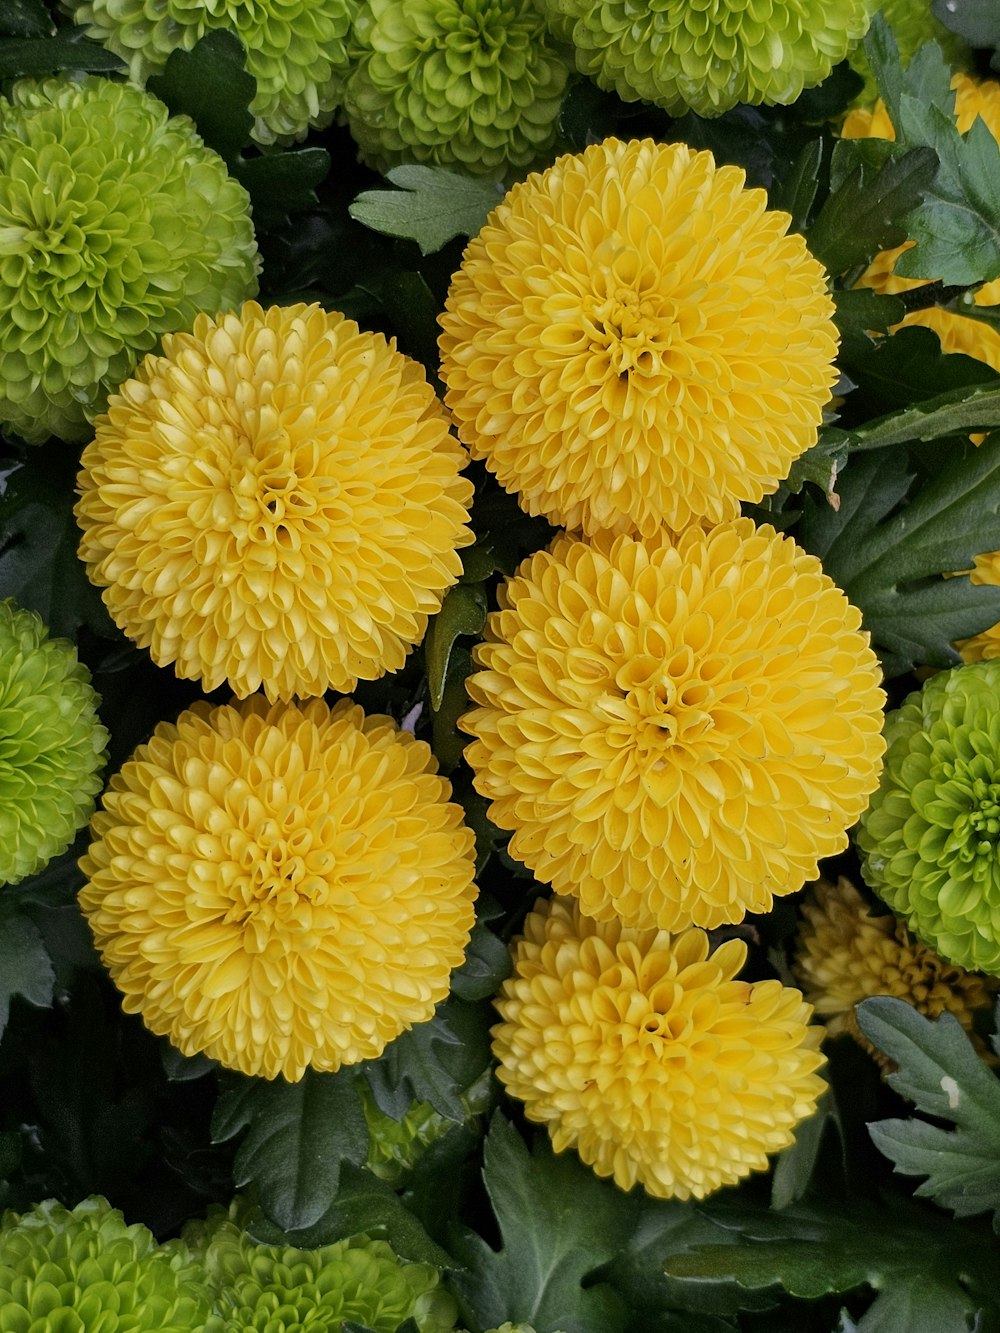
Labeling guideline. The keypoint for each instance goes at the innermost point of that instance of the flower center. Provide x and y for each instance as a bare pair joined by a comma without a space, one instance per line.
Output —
632,332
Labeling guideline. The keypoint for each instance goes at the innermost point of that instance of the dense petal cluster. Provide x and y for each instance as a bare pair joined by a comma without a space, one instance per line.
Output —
272,1289
844,954
280,887
52,744
931,837
117,225
675,731
395,1146
708,55
65,1270
634,339
472,83
644,1053
913,23
277,501
296,50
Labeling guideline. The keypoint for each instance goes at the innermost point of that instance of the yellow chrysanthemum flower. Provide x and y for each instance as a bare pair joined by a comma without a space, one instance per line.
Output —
675,731
280,886
275,501
633,339
640,1050
844,954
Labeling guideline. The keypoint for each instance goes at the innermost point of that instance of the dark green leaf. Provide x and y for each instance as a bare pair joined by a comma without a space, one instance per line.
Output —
431,206
363,1203
820,465
298,1135
447,742
68,49
557,1222
281,183
860,313
210,84
463,611
892,541
798,190
25,966
875,192
487,965
796,1164
978,21
434,1062
939,1071
25,18
909,368
412,309
184,1068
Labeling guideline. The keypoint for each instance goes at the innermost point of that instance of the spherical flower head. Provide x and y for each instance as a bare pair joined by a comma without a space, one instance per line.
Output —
913,24
633,340
280,1289
275,501
931,834
280,887
707,57
117,225
470,83
54,745
296,50
63,1270
642,1051
675,731
844,954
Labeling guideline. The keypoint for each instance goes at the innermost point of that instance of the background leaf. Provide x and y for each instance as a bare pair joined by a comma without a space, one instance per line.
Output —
68,49
281,183
430,207
978,21
210,84
25,966
463,611
25,18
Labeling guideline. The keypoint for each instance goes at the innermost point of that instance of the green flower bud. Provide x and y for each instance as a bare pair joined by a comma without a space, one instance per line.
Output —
931,836
913,24
709,55
295,49
470,83
395,1146
52,745
68,1271
117,225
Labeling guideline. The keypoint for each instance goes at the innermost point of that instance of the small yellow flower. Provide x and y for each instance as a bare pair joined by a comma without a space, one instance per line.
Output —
675,731
633,340
280,887
275,501
644,1053
844,954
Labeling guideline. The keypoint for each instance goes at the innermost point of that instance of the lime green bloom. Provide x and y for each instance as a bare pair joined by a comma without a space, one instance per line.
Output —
117,225
395,1146
273,1289
52,745
297,50
72,1271
708,55
913,24
470,83
931,836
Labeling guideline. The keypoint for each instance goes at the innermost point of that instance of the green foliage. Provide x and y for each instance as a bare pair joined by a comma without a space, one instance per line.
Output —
938,1070
25,18
210,84
280,184
25,966
463,611
431,206
978,21
36,57
557,1223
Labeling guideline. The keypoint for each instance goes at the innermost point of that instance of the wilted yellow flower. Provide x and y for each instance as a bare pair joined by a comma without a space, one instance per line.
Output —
844,954
275,501
633,340
678,730
640,1050
280,887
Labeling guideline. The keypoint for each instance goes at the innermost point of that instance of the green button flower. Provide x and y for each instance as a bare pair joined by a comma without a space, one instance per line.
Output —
931,836
469,83
52,746
65,1271
296,49
708,55
117,225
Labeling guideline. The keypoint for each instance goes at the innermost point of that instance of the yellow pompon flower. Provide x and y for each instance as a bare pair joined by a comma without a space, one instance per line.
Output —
844,954
644,1053
633,340
275,501
675,732
280,887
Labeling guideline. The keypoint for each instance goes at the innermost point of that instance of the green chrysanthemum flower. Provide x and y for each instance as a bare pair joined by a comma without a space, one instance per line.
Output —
65,1271
297,50
117,225
931,836
708,55
395,1146
913,24
52,746
272,1289
472,83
